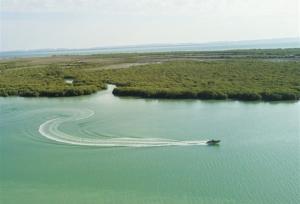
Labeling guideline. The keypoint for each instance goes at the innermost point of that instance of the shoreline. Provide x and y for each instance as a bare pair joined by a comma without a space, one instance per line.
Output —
120,91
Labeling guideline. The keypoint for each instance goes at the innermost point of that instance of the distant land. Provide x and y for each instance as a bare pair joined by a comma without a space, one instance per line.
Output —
210,46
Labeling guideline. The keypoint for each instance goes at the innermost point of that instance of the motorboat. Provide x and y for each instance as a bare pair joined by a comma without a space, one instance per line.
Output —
213,142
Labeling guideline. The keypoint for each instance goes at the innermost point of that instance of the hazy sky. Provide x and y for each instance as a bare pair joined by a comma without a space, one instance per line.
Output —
33,24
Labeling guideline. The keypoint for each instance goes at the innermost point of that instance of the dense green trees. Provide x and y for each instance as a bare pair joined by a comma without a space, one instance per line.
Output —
237,79
255,79
47,81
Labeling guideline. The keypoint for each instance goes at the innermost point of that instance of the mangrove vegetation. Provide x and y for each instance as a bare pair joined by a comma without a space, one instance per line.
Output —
219,75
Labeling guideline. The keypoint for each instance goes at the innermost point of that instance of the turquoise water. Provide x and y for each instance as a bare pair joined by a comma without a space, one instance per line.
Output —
258,160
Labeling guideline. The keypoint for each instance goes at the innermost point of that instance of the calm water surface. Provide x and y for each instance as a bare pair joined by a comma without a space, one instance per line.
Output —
258,160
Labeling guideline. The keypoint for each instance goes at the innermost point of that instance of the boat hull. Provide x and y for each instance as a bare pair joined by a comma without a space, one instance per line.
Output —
213,142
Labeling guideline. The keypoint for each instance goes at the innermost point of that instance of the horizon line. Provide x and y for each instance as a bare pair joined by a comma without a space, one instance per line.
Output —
151,45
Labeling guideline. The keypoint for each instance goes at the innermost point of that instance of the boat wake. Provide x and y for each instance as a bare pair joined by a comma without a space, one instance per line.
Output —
50,130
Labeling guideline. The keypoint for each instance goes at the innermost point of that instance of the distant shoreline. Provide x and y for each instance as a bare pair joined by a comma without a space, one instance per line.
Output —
281,43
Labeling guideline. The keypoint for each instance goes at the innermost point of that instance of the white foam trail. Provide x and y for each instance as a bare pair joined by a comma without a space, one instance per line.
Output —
50,130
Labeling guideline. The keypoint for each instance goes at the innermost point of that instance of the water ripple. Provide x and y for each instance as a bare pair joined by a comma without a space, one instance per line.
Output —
50,130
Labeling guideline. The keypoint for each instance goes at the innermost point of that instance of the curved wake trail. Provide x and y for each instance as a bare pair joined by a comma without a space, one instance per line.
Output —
50,130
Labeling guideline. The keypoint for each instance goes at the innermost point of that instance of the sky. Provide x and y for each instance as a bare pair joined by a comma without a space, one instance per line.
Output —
39,24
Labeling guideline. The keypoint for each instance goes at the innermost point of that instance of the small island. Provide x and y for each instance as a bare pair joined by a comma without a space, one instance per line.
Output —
247,75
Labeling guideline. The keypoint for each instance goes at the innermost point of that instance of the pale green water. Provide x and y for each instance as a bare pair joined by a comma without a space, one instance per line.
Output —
258,160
